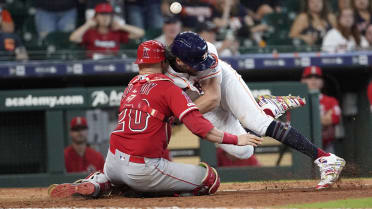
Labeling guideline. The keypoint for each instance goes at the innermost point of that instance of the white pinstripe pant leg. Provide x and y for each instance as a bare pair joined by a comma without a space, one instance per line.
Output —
236,97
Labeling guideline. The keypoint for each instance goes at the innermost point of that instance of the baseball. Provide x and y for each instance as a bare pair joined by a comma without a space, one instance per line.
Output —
175,7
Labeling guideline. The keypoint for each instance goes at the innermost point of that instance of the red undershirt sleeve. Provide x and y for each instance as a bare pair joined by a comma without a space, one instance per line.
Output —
197,124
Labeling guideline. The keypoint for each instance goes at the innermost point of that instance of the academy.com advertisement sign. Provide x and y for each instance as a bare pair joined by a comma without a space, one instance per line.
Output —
44,101
82,98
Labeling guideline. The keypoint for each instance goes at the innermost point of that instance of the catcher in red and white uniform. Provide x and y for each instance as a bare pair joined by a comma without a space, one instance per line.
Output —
223,97
330,111
141,137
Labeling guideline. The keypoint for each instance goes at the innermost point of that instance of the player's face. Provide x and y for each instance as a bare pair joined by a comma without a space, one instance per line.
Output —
79,136
313,83
185,68
103,19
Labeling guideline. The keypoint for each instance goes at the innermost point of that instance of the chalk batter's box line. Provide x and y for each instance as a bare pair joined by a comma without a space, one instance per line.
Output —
288,189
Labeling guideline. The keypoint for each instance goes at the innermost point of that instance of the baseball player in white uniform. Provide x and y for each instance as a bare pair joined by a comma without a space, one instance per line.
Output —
223,97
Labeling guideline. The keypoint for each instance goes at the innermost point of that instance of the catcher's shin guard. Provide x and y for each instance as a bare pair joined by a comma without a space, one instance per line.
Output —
210,182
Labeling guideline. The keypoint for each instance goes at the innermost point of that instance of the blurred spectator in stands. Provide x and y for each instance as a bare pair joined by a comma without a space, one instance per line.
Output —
145,14
343,4
7,24
232,17
193,12
11,47
363,14
259,8
369,95
313,23
330,112
90,5
101,35
171,27
369,35
55,16
224,159
345,36
208,31
79,157
117,5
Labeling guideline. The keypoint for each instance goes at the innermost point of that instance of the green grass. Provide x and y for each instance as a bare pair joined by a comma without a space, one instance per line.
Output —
349,203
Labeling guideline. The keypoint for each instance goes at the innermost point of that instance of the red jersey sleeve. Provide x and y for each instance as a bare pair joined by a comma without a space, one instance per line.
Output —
197,124
369,93
178,101
87,37
124,37
67,160
336,111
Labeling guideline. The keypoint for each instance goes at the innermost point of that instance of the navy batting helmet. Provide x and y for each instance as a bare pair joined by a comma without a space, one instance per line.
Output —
192,49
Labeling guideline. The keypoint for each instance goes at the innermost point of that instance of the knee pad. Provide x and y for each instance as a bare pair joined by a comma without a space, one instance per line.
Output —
210,182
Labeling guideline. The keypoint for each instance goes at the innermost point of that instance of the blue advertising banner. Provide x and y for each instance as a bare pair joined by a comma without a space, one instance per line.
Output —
241,62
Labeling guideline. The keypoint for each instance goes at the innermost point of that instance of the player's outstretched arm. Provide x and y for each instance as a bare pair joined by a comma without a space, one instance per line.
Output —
212,95
221,137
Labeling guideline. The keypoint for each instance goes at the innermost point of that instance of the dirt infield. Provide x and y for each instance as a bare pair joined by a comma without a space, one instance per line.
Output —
257,194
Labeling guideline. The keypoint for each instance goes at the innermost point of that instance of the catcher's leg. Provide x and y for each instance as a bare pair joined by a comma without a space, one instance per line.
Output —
158,175
93,185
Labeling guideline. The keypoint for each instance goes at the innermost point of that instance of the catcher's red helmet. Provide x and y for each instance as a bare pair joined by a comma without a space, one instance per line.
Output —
150,52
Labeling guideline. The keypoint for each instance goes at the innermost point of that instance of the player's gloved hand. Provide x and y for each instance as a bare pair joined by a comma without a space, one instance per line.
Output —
249,139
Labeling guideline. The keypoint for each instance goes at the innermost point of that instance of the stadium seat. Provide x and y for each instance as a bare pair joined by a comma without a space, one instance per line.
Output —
30,39
76,52
289,45
16,7
59,39
57,45
279,25
129,49
152,33
18,11
292,8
